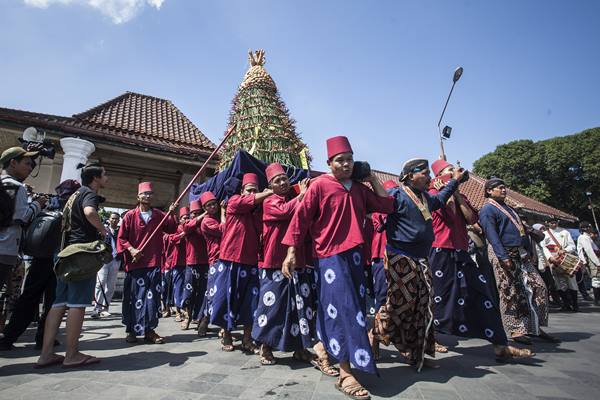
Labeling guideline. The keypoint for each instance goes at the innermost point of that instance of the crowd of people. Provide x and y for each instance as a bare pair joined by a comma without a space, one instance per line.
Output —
299,268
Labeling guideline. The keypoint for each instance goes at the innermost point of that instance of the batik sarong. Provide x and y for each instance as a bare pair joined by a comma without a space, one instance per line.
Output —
285,316
167,288
235,295
178,285
523,295
463,302
406,319
194,289
341,321
141,300
206,307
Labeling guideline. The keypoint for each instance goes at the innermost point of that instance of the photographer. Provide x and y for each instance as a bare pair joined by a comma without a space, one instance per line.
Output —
40,279
17,164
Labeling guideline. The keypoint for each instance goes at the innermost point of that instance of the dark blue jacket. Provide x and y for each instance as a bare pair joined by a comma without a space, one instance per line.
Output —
407,230
500,231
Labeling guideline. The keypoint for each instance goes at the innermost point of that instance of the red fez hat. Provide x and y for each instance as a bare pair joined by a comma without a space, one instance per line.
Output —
145,187
250,178
195,206
439,165
184,211
273,170
387,185
206,197
337,145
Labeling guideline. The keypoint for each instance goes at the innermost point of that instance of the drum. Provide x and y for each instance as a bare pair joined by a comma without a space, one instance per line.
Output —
568,264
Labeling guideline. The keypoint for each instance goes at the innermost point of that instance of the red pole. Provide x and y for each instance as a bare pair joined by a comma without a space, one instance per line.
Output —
210,157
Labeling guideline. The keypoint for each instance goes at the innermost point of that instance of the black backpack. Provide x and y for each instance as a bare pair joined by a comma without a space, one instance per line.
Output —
8,193
43,236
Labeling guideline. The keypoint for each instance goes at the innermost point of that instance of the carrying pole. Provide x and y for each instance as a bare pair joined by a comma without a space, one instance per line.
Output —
200,171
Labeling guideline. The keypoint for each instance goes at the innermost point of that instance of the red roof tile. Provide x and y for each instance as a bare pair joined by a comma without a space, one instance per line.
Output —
131,118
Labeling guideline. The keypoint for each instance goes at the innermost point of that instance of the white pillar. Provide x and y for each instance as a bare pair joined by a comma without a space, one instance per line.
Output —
76,151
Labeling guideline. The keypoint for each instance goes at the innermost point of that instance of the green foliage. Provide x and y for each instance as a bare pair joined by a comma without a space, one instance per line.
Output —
264,128
557,171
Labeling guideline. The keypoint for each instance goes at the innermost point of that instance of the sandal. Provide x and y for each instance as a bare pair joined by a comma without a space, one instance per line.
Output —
87,360
440,348
203,327
178,317
56,360
352,389
228,347
509,352
185,324
153,338
548,338
266,356
323,365
303,356
248,346
131,338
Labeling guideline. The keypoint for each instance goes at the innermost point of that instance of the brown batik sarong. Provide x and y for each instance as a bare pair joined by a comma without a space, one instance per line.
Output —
406,318
523,296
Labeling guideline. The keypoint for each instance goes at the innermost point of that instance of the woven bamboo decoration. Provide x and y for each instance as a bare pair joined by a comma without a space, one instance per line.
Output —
264,127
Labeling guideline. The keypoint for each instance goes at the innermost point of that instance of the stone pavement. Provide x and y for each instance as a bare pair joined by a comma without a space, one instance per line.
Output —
191,368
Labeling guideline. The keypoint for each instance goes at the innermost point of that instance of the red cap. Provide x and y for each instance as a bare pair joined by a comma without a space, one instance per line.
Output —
195,206
206,197
184,211
250,178
145,187
273,170
439,165
337,145
387,185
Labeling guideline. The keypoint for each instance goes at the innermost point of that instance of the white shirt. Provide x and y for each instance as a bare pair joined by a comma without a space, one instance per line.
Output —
146,215
585,250
564,239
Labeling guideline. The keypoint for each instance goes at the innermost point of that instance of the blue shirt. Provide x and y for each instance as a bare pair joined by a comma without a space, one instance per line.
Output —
407,230
500,231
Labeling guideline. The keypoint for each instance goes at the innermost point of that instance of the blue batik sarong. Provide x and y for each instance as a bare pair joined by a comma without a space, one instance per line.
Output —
235,295
178,285
341,321
286,313
194,289
206,308
379,284
463,302
167,288
141,300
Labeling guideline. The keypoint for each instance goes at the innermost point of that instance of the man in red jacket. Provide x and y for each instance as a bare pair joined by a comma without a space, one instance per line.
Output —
236,280
174,267
142,287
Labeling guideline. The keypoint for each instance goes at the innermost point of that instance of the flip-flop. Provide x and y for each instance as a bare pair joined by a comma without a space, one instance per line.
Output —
56,361
89,360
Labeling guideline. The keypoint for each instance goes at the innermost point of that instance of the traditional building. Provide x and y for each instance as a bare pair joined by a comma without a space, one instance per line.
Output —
135,136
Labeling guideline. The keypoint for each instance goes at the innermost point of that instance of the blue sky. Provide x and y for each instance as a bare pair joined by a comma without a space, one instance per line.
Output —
376,71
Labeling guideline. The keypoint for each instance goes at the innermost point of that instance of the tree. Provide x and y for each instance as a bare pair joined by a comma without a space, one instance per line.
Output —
263,125
557,171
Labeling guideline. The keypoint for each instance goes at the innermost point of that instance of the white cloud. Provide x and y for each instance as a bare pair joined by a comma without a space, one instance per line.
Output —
119,11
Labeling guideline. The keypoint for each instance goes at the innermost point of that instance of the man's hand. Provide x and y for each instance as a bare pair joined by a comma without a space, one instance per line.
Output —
303,184
223,210
289,264
41,200
268,191
458,174
172,207
201,216
135,253
507,264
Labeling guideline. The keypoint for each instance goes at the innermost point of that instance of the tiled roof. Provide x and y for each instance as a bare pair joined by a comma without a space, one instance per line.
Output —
473,190
131,118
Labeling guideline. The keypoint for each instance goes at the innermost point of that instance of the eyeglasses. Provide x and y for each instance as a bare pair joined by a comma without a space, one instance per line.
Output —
147,194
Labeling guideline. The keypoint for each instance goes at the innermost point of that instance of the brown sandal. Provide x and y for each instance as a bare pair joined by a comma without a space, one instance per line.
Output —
509,352
249,347
323,365
266,356
440,348
153,338
352,389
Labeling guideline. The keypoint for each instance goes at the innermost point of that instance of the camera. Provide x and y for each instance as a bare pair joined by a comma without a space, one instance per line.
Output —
360,171
34,140
465,176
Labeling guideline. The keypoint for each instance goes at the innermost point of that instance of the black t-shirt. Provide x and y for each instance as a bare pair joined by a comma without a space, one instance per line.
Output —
81,229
